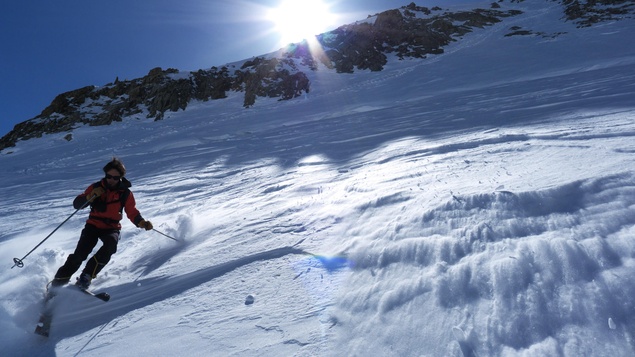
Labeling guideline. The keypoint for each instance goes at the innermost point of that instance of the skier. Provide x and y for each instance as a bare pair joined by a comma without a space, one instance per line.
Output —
108,198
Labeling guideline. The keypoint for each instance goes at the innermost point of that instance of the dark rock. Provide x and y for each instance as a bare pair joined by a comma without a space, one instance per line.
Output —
589,12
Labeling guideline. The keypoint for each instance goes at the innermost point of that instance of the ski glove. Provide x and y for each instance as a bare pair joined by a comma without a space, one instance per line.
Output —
145,225
96,193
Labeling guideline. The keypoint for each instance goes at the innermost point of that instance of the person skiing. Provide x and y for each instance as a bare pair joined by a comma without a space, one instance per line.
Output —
107,199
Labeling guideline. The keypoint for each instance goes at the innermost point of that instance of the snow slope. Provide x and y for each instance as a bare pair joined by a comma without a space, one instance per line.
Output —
475,203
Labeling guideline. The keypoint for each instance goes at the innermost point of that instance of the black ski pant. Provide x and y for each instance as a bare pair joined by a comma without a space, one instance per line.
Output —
87,241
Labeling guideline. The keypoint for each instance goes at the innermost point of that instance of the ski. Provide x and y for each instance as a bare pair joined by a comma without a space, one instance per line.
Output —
103,296
43,327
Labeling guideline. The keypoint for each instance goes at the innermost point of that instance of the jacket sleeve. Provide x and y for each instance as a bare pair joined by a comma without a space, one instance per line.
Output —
131,210
81,199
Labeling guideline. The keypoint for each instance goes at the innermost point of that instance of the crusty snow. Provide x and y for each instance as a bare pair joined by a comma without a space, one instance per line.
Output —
476,203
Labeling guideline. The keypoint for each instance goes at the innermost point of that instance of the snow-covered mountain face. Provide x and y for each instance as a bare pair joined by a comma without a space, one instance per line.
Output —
408,32
475,202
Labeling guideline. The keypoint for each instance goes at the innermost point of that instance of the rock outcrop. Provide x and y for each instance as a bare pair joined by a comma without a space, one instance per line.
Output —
589,12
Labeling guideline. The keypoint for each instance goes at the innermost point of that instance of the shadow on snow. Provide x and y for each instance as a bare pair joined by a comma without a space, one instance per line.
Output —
72,320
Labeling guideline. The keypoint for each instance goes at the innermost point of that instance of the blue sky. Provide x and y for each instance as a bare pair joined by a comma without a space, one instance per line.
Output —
50,47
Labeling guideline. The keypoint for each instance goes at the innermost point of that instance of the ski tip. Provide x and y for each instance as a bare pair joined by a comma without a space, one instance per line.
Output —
41,331
103,296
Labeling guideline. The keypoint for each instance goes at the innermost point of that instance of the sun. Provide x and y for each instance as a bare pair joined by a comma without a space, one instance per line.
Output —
297,20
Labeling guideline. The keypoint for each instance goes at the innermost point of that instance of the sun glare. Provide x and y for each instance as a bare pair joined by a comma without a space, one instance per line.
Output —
297,20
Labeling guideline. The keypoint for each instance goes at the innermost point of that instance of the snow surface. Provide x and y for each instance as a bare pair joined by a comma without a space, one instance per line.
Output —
475,203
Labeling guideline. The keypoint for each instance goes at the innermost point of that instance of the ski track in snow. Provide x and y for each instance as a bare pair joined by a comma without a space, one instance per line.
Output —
485,208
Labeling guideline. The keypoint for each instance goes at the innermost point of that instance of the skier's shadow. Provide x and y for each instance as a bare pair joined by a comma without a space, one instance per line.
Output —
152,262
83,313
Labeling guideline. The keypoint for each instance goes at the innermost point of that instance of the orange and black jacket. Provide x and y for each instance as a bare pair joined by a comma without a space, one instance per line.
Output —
106,211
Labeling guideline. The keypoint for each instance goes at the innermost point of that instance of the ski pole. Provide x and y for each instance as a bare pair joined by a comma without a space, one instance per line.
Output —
19,262
165,235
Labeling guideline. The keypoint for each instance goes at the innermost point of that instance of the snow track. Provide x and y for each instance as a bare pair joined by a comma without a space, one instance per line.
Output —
476,203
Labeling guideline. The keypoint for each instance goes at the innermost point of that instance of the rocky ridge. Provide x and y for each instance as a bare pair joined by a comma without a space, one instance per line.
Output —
409,32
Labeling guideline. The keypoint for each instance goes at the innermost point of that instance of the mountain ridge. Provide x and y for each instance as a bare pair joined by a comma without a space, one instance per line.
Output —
408,32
